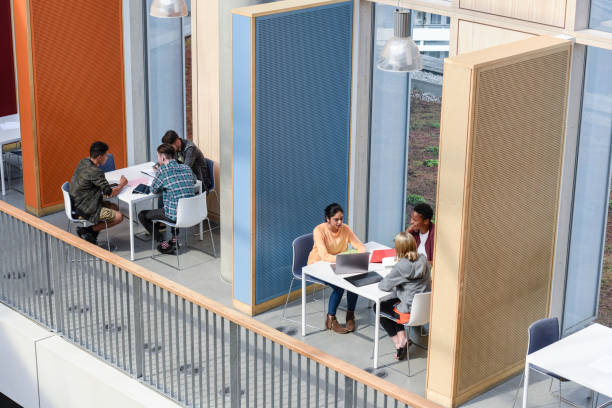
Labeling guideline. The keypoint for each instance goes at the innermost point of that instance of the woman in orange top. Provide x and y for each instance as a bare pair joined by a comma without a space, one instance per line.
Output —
331,238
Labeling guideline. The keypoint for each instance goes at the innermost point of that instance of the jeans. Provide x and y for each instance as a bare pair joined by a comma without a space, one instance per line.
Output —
336,296
146,218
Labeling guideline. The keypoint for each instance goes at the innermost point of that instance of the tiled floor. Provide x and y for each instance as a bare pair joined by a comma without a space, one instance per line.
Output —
202,275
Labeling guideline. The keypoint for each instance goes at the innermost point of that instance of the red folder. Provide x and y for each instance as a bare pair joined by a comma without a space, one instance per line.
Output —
379,254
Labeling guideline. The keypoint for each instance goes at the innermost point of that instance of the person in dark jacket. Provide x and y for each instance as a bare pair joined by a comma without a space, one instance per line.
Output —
410,275
87,188
423,229
189,154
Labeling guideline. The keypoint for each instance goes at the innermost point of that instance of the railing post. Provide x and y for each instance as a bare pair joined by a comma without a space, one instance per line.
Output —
55,284
348,392
47,248
234,365
138,325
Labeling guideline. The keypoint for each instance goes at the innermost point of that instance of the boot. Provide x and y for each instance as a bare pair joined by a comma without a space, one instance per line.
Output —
350,321
332,324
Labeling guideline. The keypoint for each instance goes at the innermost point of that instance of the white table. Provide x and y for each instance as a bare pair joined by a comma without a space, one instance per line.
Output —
584,357
132,174
7,136
323,271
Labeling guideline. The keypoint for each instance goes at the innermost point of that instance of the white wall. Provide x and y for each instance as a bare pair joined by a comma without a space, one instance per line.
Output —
41,369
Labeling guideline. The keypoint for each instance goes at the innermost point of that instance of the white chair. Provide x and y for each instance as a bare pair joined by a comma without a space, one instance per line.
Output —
71,216
419,316
189,212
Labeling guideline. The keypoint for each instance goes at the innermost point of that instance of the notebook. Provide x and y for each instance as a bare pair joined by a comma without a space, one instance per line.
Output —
379,254
364,279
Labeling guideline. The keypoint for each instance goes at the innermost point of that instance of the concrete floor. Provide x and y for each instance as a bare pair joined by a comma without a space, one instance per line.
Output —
202,275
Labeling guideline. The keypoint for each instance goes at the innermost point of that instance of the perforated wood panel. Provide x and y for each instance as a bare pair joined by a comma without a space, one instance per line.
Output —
78,81
518,126
501,149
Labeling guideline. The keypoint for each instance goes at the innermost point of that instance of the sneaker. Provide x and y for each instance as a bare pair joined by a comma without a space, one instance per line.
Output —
81,231
166,247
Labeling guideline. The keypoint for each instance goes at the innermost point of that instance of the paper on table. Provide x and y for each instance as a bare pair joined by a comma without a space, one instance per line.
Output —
603,364
9,125
137,181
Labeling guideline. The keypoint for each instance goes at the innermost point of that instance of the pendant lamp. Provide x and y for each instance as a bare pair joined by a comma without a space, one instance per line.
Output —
168,8
400,53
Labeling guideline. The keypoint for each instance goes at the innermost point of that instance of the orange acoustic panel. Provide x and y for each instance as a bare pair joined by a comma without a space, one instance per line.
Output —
76,83
501,149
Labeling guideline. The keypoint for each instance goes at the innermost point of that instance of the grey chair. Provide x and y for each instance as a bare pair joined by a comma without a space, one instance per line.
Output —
72,218
302,246
189,212
542,333
419,316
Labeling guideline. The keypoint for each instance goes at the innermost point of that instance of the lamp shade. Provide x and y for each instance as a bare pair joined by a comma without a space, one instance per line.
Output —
400,53
168,8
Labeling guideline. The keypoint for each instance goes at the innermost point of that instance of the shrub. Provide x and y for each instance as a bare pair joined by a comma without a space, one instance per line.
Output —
432,150
430,162
414,199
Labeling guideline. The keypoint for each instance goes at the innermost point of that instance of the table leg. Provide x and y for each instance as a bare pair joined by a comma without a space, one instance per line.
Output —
131,209
526,384
303,304
2,170
376,333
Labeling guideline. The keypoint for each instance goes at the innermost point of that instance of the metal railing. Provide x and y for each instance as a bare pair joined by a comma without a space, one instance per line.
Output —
186,346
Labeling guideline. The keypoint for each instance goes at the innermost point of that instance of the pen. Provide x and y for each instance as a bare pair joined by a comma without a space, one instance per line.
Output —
144,172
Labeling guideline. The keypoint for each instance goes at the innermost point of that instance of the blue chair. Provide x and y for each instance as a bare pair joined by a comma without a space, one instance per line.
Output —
110,164
211,173
542,333
302,246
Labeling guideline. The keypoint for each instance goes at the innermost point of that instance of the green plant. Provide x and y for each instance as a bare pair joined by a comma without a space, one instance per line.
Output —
436,149
414,199
610,204
430,162
434,124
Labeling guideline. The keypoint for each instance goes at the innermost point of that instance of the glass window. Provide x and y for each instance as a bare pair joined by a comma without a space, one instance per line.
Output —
590,255
601,15
405,130
166,75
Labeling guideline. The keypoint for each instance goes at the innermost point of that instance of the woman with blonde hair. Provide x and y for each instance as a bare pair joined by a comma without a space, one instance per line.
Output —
410,275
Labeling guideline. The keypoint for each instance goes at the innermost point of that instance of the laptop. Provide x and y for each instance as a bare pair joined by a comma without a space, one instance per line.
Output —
351,263
364,279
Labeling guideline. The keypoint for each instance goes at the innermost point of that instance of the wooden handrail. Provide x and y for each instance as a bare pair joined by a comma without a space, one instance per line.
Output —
235,316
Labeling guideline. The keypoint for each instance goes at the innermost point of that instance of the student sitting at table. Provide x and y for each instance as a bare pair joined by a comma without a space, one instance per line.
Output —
331,238
175,181
423,229
189,154
87,188
410,275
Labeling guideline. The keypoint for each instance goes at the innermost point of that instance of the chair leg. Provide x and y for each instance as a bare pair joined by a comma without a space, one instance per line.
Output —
153,241
407,334
178,260
107,240
287,299
211,238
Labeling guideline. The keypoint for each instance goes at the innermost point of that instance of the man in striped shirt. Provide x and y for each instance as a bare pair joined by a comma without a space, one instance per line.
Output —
175,181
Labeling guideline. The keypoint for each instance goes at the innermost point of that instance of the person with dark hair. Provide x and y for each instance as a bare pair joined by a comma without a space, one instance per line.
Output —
189,154
87,188
176,181
331,238
423,229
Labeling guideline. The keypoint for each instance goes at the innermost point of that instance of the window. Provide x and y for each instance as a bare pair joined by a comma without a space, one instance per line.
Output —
436,19
601,15
405,132
166,53
588,293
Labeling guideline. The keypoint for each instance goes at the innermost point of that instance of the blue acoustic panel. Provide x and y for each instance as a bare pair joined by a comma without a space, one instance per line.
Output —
241,54
302,121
